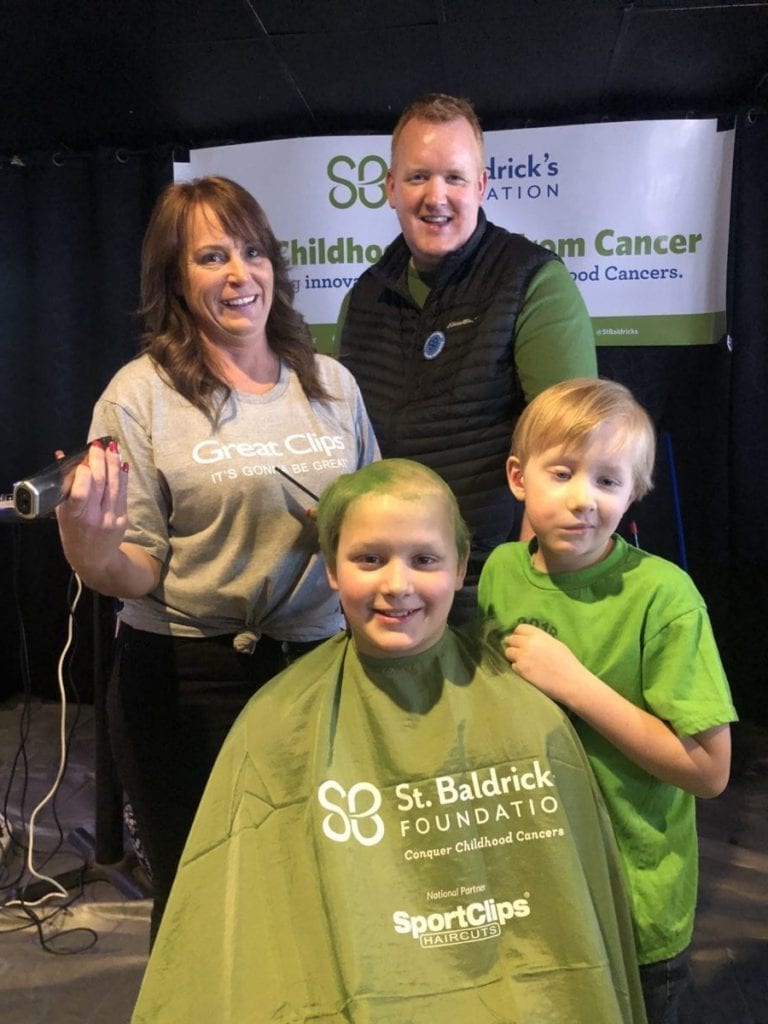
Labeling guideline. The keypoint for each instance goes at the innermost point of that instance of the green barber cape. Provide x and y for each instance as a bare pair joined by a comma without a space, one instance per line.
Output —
415,840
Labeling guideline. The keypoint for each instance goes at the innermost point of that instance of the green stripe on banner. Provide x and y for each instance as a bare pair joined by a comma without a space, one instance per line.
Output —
682,329
325,337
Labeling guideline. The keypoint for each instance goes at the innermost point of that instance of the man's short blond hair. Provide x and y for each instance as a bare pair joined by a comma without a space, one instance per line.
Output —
439,108
568,413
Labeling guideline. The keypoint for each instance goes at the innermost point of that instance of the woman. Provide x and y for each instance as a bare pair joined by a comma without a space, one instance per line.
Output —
186,516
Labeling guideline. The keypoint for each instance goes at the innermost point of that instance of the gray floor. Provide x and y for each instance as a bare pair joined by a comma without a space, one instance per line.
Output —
57,973
48,976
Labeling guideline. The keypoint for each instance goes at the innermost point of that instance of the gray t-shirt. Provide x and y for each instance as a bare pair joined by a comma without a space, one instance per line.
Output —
238,549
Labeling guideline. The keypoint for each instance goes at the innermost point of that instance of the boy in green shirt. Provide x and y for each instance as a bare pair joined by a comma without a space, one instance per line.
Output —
398,829
622,639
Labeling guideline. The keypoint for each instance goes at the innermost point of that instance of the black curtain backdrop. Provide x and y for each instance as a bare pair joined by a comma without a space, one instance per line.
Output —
710,406
746,634
72,226
72,229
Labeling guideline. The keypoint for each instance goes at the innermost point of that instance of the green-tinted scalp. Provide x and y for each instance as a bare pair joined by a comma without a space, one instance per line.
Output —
399,477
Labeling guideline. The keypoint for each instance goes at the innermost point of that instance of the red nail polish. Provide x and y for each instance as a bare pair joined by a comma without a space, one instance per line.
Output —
112,446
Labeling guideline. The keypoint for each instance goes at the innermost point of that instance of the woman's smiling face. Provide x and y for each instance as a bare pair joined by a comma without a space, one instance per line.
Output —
227,282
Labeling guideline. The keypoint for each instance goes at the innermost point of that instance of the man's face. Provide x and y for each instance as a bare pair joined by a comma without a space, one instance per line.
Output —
436,185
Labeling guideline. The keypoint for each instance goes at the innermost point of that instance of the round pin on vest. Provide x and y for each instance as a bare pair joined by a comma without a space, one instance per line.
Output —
434,345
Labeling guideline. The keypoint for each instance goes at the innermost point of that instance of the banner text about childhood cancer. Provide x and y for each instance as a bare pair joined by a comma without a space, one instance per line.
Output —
637,211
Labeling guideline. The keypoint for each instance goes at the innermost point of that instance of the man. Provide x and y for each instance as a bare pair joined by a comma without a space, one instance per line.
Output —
459,324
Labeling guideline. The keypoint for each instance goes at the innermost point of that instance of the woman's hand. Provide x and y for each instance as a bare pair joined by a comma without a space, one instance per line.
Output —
92,519
92,522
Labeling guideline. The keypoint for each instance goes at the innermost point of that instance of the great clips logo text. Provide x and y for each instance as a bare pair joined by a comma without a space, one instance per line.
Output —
209,452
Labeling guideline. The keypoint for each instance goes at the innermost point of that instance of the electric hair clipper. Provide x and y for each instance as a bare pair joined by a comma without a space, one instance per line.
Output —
39,494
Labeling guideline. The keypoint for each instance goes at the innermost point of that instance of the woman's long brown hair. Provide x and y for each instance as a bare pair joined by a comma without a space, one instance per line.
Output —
171,336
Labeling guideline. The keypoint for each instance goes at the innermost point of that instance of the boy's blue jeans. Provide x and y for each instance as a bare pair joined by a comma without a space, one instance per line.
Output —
664,984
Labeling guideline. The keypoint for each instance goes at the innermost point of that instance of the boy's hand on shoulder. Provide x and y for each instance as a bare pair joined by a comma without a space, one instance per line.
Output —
698,764
546,662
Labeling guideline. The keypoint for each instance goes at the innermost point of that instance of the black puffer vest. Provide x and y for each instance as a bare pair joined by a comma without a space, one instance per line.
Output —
454,412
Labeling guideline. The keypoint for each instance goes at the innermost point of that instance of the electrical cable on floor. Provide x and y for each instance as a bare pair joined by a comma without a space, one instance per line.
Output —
59,889
19,912
25,721
72,600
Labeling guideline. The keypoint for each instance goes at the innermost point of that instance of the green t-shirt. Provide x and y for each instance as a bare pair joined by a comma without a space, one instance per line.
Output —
638,623
397,841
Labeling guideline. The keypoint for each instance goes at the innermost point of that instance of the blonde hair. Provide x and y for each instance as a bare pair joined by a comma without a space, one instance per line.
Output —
568,413
439,108
399,477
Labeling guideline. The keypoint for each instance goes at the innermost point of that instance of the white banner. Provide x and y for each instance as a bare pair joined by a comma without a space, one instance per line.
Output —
639,212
